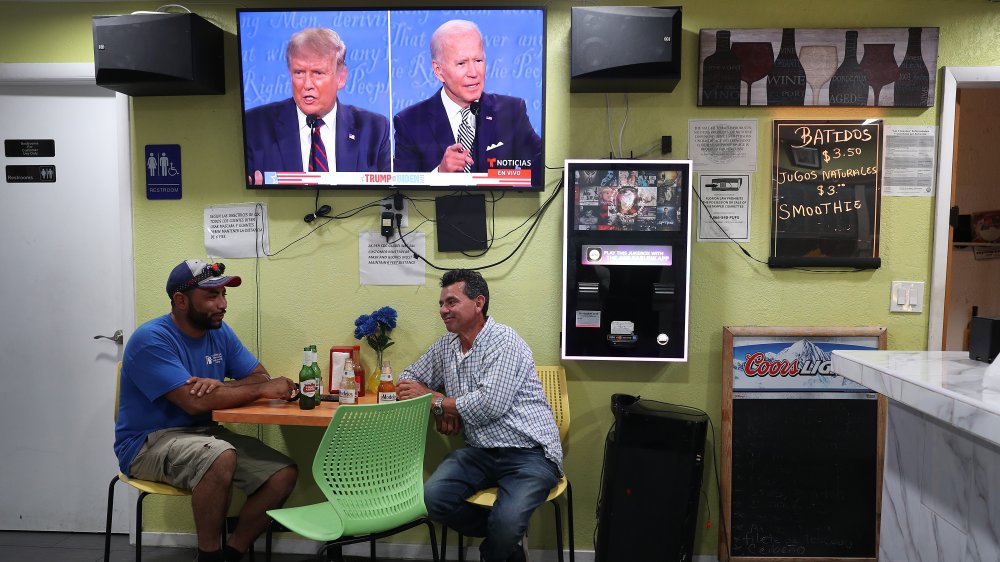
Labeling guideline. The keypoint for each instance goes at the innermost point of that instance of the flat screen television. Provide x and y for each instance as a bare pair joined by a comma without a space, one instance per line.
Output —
392,127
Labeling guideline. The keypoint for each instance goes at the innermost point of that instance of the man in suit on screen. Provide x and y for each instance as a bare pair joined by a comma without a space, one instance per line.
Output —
311,131
461,128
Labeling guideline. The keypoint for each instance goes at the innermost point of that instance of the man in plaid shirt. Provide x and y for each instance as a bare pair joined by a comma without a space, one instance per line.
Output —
482,375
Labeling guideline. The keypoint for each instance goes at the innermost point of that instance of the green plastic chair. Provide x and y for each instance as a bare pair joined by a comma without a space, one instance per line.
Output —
369,466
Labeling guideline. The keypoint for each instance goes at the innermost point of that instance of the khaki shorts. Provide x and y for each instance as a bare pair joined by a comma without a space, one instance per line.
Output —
180,456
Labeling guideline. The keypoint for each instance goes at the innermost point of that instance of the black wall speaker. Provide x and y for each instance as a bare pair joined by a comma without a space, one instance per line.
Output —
159,54
625,49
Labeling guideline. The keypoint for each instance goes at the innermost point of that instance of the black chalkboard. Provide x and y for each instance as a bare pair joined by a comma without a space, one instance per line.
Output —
804,477
826,193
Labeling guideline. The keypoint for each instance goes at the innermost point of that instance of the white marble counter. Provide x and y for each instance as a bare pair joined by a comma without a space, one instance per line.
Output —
940,499
946,385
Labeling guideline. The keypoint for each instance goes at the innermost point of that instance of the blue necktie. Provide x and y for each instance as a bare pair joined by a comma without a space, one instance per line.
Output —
317,152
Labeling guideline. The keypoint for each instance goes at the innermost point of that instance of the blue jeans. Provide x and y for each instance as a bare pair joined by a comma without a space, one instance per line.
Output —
524,478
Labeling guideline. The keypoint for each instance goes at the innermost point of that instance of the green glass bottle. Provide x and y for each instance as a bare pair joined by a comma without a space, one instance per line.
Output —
307,382
316,371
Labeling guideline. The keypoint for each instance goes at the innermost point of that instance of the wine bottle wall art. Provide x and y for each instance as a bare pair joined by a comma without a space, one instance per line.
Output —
873,67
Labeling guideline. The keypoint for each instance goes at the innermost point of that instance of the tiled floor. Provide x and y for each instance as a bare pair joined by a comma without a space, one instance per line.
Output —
89,547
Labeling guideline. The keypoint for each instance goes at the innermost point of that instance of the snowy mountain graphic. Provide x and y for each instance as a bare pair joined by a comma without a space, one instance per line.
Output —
803,351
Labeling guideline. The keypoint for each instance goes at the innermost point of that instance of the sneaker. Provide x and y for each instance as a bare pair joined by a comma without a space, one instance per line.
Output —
519,554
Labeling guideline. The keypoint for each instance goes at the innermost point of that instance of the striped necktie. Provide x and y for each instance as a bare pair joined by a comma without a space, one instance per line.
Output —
466,134
317,152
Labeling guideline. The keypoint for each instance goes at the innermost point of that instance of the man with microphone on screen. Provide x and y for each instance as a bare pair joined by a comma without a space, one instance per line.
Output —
461,128
311,131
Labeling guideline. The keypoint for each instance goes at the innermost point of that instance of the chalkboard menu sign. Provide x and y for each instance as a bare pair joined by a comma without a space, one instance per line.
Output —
802,447
826,193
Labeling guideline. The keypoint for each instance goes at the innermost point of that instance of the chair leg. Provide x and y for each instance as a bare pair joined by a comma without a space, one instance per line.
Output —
559,536
461,547
373,559
138,526
107,527
434,549
569,520
444,542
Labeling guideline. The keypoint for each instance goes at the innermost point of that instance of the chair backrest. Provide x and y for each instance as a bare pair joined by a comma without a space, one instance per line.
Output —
554,381
370,464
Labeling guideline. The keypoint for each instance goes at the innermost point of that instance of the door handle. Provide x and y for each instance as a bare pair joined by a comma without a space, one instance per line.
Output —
117,337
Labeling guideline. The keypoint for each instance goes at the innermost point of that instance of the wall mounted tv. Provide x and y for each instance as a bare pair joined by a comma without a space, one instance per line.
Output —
398,114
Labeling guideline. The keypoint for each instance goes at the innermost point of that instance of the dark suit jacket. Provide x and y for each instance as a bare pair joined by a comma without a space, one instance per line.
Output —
272,139
503,132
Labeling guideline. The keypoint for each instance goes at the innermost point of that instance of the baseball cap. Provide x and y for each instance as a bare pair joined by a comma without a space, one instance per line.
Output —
195,273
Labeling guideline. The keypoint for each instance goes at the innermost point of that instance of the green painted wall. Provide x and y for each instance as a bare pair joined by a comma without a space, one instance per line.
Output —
310,292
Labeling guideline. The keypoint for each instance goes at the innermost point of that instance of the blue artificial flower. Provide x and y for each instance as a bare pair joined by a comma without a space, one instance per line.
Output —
386,316
375,328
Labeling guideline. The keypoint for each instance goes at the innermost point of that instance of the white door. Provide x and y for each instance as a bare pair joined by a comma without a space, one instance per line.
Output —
67,276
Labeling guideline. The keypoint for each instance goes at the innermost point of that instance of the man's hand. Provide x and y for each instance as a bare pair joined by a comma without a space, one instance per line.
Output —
407,389
202,386
448,424
455,158
281,388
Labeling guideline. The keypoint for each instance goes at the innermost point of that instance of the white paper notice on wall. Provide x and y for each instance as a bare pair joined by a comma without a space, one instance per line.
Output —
908,163
391,263
238,230
723,144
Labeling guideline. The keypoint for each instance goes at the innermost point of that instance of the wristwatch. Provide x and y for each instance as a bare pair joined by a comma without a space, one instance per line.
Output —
436,407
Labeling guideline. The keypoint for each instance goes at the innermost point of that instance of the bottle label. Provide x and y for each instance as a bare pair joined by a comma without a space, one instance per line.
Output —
386,397
308,387
348,396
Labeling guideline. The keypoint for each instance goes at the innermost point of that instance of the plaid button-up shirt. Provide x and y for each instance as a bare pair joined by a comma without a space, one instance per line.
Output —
496,389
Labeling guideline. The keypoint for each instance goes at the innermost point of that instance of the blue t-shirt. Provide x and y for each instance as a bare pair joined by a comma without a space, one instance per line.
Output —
159,358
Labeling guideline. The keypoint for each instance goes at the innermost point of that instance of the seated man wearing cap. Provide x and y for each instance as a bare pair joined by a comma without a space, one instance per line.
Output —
173,375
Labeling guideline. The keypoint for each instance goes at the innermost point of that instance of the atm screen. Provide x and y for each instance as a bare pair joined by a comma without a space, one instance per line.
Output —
646,197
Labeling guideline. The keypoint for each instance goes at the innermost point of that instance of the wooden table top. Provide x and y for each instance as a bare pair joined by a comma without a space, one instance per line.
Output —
280,412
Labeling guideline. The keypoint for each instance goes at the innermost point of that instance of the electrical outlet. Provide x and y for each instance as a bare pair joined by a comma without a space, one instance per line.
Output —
404,222
906,296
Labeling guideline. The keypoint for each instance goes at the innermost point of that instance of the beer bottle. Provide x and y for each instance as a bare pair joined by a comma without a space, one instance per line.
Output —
386,388
348,388
307,382
359,371
314,365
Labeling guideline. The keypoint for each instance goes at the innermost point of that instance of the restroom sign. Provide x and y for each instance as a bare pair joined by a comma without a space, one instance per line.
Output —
162,163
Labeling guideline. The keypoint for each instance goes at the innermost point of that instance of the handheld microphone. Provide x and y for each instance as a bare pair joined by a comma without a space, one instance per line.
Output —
474,108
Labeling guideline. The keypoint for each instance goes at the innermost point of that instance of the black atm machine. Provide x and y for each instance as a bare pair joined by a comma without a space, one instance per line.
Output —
626,260
651,485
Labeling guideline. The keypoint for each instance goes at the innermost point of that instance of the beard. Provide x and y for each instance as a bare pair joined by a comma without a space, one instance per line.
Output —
202,320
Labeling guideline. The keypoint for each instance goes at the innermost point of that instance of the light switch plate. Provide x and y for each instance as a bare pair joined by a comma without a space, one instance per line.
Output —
906,296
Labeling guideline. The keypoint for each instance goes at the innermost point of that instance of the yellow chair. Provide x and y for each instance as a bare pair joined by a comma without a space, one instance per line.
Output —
554,382
145,487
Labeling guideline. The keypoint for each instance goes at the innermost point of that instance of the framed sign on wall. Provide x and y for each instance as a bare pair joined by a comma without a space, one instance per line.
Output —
802,447
880,67
826,193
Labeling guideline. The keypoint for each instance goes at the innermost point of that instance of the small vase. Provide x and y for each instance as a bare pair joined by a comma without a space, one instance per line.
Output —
376,375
